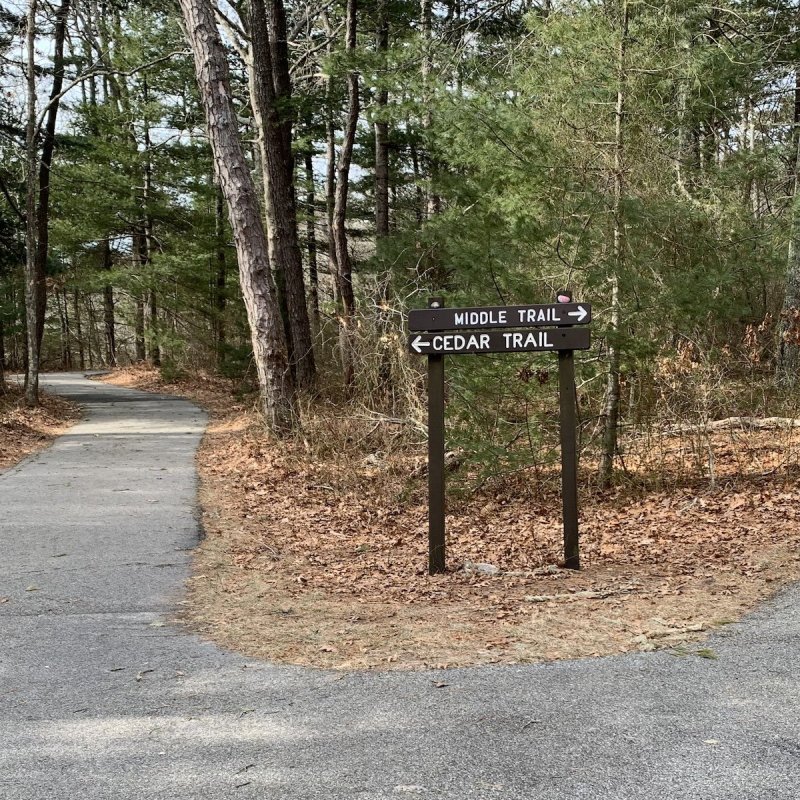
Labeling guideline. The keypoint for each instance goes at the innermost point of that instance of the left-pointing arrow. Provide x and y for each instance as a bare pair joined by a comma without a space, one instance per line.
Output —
418,343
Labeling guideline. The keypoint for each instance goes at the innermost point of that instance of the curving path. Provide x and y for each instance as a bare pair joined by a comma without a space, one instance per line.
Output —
102,699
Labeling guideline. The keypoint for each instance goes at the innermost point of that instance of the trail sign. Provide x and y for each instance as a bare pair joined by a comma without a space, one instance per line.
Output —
450,319
464,340
499,341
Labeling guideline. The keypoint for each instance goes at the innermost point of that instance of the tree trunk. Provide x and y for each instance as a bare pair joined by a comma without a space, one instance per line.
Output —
147,233
220,279
610,415
63,314
433,201
32,279
139,255
76,313
330,160
381,128
108,310
344,273
282,78
330,183
152,319
419,194
311,238
138,329
45,164
272,96
258,289
789,330
94,336
2,358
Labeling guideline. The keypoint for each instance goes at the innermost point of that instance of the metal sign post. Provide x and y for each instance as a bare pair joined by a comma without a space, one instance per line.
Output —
560,337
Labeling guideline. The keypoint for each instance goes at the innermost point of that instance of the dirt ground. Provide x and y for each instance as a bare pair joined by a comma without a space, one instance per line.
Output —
318,557
24,431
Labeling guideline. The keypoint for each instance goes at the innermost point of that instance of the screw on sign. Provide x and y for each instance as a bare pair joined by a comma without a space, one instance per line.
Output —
562,338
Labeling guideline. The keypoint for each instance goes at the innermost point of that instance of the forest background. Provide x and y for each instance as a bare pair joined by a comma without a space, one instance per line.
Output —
369,154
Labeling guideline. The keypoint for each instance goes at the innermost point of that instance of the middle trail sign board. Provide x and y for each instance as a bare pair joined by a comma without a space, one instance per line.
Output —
451,319
546,328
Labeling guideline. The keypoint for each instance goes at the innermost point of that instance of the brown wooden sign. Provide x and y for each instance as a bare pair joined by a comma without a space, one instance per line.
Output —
470,342
452,331
451,319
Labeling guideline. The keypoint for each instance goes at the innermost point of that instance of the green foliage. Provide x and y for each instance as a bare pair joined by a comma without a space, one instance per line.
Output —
525,147
503,152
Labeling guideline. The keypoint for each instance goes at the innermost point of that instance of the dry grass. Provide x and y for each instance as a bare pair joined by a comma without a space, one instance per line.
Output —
317,555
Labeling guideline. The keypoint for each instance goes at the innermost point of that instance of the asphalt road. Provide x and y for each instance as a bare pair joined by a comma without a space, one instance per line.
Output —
100,697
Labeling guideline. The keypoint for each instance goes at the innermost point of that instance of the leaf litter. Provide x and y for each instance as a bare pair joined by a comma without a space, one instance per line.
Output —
24,431
321,560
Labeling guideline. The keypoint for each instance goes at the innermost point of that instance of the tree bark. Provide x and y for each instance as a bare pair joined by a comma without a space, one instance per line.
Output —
344,272
272,99
108,310
63,315
94,336
282,78
139,255
76,313
45,164
789,329
32,279
2,358
610,415
381,129
258,289
152,319
433,201
330,182
138,329
311,239
220,279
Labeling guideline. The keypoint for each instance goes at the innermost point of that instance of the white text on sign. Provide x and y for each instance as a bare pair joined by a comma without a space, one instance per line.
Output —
525,316
482,342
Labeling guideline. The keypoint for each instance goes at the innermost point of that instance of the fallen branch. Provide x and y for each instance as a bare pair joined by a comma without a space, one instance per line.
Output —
735,423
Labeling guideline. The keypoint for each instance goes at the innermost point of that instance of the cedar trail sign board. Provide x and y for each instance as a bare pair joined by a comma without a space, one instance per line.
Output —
499,341
563,340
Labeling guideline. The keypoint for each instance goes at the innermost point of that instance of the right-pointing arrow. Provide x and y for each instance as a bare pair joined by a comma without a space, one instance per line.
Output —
581,313
418,343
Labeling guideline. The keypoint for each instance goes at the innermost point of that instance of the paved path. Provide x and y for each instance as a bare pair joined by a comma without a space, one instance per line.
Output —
101,699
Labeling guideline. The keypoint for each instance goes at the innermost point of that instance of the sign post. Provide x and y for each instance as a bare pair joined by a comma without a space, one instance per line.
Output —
470,337
569,458
436,542
569,451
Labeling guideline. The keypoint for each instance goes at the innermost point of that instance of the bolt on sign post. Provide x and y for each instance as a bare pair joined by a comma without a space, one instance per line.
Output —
430,336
